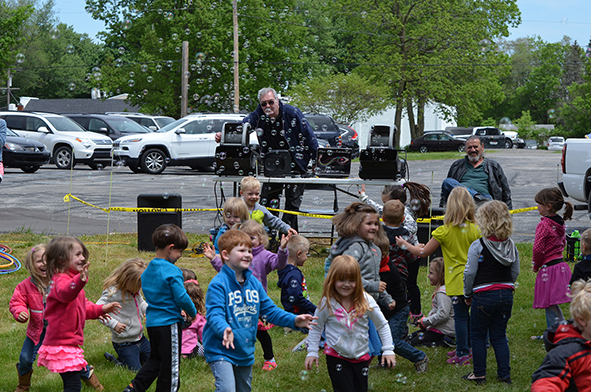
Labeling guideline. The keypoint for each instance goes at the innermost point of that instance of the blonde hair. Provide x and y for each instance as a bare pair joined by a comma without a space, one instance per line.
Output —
439,265
128,274
297,243
249,182
494,219
236,206
460,207
554,198
348,221
196,294
580,304
393,212
345,267
252,227
586,239
40,282
59,253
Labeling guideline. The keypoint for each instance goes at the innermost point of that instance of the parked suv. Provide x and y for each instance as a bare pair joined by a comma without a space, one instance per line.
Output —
111,126
491,137
153,123
189,141
67,141
325,128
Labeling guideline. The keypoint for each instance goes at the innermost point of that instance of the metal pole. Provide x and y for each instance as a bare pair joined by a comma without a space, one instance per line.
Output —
236,63
184,78
8,85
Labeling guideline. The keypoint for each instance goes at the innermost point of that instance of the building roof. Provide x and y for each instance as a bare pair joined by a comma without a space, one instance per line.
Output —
82,105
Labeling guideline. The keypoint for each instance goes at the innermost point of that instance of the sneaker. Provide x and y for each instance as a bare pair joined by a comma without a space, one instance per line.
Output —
449,342
505,380
1,171
111,358
269,365
455,360
129,388
301,346
537,337
451,354
415,318
472,377
421,366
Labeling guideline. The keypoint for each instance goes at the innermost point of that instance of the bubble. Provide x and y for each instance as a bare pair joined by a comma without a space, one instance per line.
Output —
334,59
291,298
121,49
455,300
450,270
304,375
131,82
551,113
54,33
73,285
485,45
169,63
399,377
127,24
175,36
72,86
516,285
564,20
339,367
131,74
99,166
118,63
545,276
187,31
158,68
145,92
415,204
272,14
149,79
200,56
20,58
169,16
365,371
505,121
364,14
198,34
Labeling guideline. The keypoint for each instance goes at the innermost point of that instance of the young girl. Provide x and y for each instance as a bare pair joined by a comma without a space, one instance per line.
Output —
27,304
489,282
66,311
554,274
438,326
263,263
191,345
344,313
123,286
455,237
234,211
420,200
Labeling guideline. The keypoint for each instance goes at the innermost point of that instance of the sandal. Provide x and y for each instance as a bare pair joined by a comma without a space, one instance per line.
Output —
472,377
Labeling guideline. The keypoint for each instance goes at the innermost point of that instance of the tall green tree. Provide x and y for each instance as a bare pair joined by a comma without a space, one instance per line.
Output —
12,18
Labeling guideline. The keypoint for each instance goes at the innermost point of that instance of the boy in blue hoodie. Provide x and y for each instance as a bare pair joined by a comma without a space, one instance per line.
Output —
234,301
164,291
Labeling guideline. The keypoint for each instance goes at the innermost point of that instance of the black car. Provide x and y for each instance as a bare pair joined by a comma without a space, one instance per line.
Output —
437,141
350,138
25,154
328,133
112,126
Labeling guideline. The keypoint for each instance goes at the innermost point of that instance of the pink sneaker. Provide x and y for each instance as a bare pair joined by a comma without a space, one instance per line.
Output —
451,354
1,171
455,360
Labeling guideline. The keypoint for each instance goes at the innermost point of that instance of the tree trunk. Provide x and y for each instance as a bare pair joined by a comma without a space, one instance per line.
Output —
420,117
411,118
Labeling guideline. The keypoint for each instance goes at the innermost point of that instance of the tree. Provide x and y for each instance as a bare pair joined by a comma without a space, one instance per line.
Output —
11,19
346,98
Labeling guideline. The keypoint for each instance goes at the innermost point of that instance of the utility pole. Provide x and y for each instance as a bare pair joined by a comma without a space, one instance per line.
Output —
9,89
184,78
236,62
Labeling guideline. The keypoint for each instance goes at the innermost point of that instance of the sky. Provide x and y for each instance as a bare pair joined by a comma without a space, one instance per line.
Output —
549,19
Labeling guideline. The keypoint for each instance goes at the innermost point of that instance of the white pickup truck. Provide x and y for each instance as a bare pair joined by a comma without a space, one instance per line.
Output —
576,171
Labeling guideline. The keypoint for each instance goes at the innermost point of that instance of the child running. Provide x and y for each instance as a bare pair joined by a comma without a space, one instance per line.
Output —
551,288
127,327
27,304
455,236
66,311
235,300
437,328
234,211
192,345
344,313
489,283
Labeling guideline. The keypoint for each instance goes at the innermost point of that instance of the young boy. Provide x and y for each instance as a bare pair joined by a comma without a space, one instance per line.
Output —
583,268
235,299
250,190
294,292
390,272
164,291
567,366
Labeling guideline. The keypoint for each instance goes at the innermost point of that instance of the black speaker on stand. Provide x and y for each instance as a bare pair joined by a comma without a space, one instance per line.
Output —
277,163
148,221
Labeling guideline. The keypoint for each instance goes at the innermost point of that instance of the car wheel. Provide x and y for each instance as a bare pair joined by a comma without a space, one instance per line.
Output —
508,143
63,158
153,161
423,149
136,170
96,166
30,169
461,148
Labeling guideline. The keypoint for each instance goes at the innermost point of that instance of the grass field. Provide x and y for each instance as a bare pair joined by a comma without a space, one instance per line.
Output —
196,376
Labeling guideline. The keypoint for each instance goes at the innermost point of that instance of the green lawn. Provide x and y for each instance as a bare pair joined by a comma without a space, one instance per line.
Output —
196,376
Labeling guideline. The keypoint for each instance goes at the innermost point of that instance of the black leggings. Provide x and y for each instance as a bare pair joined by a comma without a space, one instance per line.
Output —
266,343
347,376
71,381
414,293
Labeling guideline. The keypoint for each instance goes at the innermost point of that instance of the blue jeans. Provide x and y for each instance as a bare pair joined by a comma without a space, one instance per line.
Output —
462,326
133,354
2,137
398,328
491,310
449,184
230,378
28,354
553,315
375,344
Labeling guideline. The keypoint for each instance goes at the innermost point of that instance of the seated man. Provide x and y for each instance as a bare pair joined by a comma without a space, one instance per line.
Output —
483,177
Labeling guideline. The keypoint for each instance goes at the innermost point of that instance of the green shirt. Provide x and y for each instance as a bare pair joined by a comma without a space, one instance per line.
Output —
476,178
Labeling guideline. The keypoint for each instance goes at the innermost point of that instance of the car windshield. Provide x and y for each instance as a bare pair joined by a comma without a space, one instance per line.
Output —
64,124
163,121
126,125
172,125
556,139
10,132
321,124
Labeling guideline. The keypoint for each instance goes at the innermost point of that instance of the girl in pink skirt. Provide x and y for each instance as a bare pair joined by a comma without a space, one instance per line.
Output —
66,311
553,273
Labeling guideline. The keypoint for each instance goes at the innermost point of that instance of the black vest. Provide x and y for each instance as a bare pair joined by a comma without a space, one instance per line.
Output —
490,270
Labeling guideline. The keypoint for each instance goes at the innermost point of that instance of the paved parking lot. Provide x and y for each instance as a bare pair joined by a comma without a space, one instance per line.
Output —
35,201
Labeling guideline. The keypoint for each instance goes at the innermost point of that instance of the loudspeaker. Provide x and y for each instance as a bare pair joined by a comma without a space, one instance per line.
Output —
382,136
277,163
235,133
234,160
333,162
147,221
379,163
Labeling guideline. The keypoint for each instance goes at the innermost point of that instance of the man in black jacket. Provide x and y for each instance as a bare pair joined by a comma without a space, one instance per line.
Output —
483,177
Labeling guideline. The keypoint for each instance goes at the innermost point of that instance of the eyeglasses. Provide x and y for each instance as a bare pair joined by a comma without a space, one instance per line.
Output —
267,103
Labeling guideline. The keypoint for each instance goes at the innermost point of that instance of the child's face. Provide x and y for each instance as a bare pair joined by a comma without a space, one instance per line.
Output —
239,258
433,278
39,263
302,256
256,240
174,255
77,259
251,196
232,219
345,287
369,227
586,332
544,210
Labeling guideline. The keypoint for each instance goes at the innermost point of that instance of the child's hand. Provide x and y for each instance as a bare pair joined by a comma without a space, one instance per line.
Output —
112,307
228,340
84,272
382,287
311,361
208,251
392,305
292,232
468,301
22,317
421,324
362,189
305,321
119,327
389,360
286,238
402,243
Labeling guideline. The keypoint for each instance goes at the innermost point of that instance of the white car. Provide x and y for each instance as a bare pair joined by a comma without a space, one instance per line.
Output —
189,141
555,143
153,123
67,141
